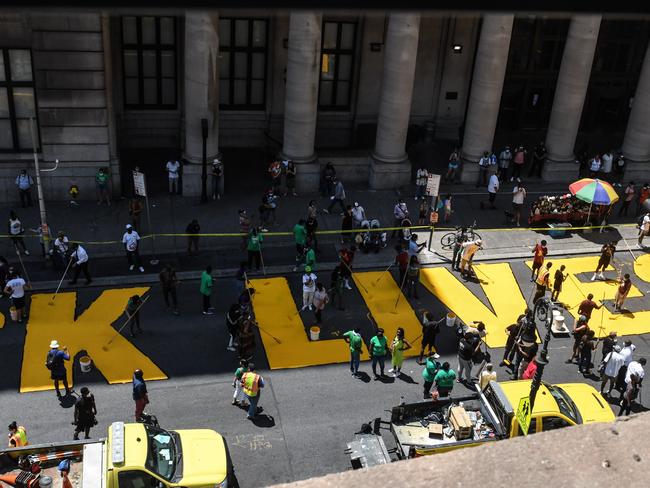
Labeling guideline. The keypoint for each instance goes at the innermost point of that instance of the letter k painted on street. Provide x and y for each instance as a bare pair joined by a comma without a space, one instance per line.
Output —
89,332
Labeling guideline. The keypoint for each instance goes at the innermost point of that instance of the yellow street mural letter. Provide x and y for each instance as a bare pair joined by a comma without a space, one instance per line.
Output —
500,287
380,292
91,331
278,318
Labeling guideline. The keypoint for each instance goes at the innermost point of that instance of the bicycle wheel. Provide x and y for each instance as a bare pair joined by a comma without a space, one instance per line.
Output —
448,240
474,235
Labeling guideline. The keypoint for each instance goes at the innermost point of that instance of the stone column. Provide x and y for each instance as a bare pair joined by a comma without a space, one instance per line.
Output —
390,166
485,95
636,144
570,92
201,96
301,97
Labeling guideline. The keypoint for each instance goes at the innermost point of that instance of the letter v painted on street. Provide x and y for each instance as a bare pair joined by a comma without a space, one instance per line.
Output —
500,287
277,315
91,331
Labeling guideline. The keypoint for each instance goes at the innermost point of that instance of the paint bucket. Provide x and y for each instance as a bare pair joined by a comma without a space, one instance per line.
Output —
45,482
451,319
314,333
85,362
14,313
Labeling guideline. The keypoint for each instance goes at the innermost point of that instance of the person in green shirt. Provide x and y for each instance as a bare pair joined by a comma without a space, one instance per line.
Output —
300,236
206,290
310,256
397,348
378,350
444,379
353,337
238,397
254,248
431,367
101,180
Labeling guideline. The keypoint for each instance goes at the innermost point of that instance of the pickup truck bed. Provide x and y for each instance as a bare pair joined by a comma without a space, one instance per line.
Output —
409,425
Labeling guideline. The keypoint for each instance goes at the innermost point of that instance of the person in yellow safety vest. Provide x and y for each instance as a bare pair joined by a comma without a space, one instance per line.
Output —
17,435
251,383
469,249
542,282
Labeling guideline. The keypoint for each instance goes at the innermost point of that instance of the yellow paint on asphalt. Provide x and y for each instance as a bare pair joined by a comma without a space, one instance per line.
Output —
380,296
91,331
642,267
276,314
602,321
500,287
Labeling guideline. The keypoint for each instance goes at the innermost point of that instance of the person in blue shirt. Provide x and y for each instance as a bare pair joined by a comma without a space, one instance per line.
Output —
140,395
56,364
24,183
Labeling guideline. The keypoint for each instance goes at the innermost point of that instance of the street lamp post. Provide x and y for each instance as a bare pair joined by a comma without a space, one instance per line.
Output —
39,188
204,162
544,309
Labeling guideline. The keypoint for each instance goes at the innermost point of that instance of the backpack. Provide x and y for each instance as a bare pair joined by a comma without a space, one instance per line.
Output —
49,360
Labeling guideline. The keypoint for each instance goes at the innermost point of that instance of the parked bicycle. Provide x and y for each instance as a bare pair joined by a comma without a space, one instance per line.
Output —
450,238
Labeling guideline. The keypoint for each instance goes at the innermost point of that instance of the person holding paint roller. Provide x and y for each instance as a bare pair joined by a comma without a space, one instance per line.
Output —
133,314
79,259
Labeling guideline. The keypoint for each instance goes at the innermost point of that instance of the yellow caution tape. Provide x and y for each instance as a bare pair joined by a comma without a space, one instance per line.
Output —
347,231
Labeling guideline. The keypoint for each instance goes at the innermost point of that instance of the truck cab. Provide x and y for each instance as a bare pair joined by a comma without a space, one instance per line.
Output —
146,456
556,406
138,455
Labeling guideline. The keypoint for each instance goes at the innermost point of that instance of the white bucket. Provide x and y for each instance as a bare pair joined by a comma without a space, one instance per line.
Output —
451,319
45,482
14,313
314,333
85,362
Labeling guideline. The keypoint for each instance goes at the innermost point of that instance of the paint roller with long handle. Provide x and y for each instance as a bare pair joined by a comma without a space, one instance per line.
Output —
51,302
129,317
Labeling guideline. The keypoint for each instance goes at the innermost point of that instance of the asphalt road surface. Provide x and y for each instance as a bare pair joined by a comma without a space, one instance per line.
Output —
309,414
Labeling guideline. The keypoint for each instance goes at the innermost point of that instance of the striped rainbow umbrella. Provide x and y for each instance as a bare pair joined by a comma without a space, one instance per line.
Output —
593,191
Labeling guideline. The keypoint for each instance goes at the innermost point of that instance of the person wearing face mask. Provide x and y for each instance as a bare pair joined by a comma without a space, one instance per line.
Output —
131,241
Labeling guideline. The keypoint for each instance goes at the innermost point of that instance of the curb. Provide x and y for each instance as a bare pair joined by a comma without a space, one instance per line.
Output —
433,258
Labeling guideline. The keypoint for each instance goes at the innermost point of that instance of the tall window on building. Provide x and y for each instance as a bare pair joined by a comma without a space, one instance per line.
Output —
242,63
17,100
149,58
337,63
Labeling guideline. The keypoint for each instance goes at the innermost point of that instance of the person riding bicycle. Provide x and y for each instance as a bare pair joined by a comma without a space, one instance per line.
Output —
461,237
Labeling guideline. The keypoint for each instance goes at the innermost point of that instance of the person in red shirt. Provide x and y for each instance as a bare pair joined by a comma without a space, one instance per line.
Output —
539,253
347,255
531,369
624,286
402,260
587,306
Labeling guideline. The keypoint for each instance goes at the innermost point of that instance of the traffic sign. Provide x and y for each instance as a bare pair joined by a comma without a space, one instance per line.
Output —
523,414
433,185
138,184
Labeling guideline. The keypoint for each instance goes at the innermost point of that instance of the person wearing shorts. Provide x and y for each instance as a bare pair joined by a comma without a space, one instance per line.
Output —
540,251
15,287
606,256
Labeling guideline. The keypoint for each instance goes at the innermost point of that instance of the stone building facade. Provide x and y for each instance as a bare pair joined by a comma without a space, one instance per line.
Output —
120,90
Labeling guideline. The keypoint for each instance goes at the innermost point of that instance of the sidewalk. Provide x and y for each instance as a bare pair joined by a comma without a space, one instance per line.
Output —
102,227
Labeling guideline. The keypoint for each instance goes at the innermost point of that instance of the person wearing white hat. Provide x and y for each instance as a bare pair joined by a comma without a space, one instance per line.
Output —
55,362
358,215
131,241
